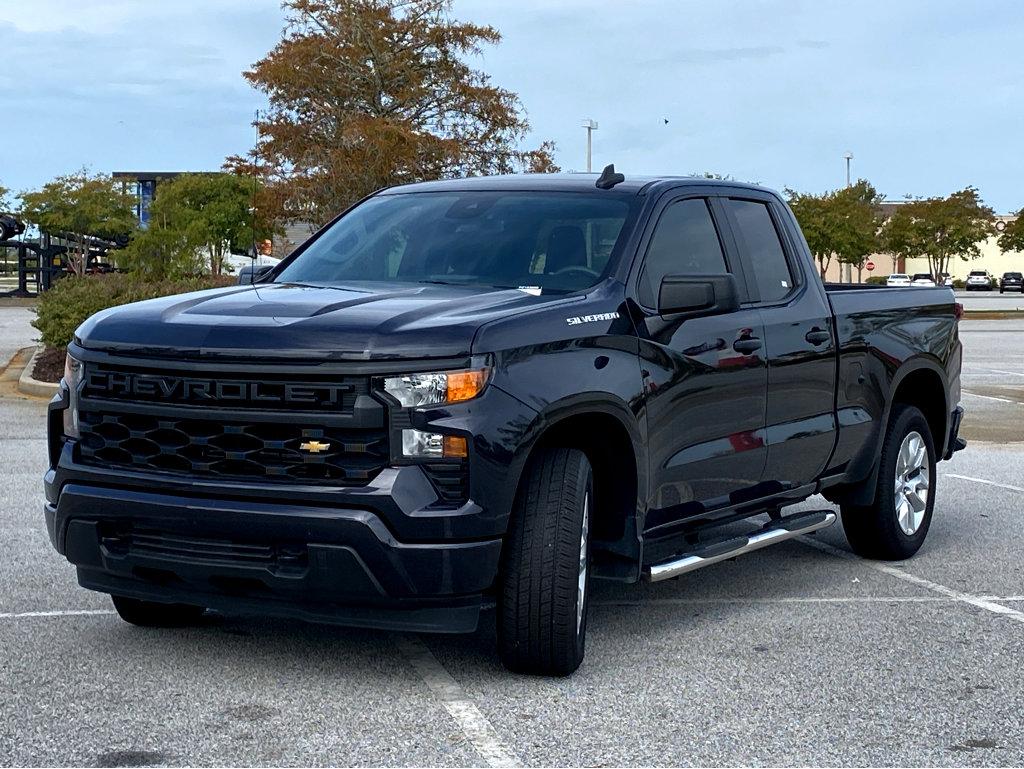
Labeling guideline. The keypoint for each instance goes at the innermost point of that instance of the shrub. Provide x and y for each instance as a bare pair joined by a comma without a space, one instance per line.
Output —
65,307
958,283
876,280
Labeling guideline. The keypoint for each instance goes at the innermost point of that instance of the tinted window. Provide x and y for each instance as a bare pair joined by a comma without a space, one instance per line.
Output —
978,274
758,236
684,242
554,241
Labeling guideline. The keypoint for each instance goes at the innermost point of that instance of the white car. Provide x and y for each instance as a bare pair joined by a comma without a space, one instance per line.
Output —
923,279
898,279
978,280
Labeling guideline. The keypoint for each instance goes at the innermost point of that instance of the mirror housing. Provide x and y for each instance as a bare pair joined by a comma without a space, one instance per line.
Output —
698,295
252,274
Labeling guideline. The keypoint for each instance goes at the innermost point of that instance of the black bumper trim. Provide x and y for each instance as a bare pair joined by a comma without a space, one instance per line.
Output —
955,443
338,565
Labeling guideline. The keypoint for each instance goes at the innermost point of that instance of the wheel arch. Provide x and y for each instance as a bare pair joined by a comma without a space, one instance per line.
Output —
611,437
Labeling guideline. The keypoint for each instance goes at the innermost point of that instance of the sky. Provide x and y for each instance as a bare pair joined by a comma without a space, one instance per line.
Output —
928,95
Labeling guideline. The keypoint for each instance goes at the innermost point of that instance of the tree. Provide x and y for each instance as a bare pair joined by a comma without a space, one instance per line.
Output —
938,229
842,224
369,93
197,218
1012,238
858,219
5,204
79,206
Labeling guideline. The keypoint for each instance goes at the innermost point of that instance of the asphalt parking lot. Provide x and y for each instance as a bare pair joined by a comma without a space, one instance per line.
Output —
799,654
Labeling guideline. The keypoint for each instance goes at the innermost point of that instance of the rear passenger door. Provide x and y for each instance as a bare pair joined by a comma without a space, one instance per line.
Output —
704,377
800,421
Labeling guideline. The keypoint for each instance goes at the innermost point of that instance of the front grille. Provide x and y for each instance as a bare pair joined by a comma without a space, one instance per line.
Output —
233,450
161,544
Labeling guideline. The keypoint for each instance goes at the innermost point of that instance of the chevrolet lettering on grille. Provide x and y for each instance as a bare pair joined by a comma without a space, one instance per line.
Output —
114,384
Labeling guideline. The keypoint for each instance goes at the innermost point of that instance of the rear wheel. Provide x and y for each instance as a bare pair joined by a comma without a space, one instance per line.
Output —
154,614
895,525
545,579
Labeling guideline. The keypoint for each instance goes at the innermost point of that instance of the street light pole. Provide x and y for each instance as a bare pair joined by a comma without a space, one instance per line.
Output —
848,156
591,126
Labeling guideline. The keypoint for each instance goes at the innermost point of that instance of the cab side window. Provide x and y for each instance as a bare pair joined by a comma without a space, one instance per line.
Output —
685,242
760,240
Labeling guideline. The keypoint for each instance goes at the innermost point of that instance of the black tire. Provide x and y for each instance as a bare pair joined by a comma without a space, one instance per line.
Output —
153,614
874,531
539,630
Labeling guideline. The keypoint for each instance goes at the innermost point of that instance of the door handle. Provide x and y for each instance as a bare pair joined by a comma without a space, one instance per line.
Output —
817,336
747,345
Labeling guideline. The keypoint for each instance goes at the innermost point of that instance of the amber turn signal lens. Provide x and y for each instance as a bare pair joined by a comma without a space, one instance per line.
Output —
463,385
455,447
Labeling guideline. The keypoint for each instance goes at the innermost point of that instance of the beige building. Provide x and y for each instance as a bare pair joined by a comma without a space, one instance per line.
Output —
992,259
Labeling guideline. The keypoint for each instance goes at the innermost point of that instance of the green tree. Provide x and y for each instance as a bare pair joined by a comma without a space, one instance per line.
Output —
5,204
939,229
842,224
195,219
1012,237
79,206
369,93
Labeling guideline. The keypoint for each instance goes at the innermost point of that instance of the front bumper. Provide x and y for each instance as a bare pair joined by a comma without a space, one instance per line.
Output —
339,565
389,554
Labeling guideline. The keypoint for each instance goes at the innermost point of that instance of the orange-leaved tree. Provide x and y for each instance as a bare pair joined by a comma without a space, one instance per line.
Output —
365,94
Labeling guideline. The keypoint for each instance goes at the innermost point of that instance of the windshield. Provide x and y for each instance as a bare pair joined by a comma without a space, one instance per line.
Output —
899,276
546,241
1012,275
923,276
977,274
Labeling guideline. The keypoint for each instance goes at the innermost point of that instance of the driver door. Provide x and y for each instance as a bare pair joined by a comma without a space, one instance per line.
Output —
705,377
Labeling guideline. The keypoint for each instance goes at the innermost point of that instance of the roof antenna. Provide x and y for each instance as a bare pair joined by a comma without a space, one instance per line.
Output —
608,178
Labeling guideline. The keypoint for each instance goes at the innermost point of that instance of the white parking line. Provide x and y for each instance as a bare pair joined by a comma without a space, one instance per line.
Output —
66,613
935,587
474,724
982,480
991,398
795,599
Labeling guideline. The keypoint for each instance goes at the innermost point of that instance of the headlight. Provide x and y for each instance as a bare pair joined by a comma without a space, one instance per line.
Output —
437,387
73,378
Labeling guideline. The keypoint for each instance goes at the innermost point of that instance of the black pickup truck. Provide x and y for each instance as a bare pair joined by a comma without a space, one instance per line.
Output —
494,390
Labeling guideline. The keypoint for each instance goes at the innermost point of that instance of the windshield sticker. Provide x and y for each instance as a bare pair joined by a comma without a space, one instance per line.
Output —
531,290
575,321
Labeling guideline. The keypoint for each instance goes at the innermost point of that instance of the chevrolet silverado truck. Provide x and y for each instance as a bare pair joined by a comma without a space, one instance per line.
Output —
489,392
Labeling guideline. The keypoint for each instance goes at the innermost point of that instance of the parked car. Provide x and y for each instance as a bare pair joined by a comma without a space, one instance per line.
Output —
495,390
898,279
1011,281
947,279
923,279
978,280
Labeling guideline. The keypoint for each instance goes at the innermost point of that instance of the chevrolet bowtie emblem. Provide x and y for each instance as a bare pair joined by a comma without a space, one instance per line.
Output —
314,447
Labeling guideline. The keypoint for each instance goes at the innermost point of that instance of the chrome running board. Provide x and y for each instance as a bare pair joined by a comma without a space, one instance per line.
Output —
773,532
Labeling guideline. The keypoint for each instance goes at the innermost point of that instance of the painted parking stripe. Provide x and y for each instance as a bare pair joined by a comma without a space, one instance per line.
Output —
467,715
844,599
985,481
973,600
65,613
991,398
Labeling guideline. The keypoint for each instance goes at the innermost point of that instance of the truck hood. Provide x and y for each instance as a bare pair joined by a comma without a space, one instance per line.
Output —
352,322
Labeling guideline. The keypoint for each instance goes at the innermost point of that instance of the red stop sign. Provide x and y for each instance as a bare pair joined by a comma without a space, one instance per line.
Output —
869,266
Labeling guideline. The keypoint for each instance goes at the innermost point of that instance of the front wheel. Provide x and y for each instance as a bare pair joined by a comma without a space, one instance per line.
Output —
894,526
154,614
545,576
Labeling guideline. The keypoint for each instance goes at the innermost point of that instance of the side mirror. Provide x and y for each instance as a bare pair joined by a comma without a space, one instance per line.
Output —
250,274
698,295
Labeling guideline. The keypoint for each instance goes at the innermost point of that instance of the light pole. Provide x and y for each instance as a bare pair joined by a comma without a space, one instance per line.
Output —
848,157
591,126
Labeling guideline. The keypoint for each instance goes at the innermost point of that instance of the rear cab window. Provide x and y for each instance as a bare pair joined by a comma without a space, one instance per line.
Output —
759,240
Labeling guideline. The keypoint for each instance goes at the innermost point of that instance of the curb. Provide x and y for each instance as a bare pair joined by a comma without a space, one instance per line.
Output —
27,385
